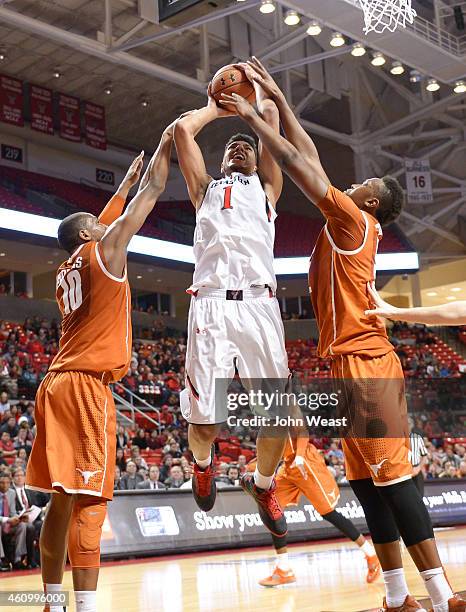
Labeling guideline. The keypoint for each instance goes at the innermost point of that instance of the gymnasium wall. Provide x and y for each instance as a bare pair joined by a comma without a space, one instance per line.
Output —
150,523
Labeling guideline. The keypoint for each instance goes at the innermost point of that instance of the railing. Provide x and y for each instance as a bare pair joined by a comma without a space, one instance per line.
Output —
130,405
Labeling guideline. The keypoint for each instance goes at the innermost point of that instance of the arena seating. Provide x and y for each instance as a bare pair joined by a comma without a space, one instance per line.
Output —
295,234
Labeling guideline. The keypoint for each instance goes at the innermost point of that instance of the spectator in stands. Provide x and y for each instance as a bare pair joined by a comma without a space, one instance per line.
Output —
132,477
117,479
22,441
25,499
233,475
4,403
165,469
6,445
452,457
22,458
462,470
137,457
155,441
30,414
176,478
334,451
11,427
13,528
122,437
242,461
120,460
140,439
153,481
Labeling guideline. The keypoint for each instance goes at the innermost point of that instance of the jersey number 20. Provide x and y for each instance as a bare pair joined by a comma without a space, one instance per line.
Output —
72,294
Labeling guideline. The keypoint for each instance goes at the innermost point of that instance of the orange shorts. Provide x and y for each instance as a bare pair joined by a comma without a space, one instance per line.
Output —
74,449
320,487
384,459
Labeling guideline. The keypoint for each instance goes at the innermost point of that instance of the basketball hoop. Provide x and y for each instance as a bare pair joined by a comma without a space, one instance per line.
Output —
381,15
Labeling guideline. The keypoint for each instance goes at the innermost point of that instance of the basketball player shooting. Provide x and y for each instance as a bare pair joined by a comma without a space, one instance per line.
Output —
73,455
343,262
234,317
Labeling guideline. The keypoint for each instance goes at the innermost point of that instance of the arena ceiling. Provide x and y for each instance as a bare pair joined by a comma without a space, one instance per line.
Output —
364,119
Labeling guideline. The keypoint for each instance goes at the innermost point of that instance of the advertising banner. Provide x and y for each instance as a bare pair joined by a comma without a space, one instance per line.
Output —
166,522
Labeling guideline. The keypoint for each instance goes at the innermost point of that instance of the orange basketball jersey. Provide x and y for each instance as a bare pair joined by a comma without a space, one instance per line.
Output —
342,263
96,309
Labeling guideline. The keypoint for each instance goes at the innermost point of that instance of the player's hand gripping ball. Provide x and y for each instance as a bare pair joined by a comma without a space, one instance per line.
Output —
232,79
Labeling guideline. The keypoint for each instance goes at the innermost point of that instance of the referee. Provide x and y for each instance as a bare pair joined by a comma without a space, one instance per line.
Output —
418,455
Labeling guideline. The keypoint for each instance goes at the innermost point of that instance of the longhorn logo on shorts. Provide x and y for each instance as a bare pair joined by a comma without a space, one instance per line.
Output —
376,466
87,475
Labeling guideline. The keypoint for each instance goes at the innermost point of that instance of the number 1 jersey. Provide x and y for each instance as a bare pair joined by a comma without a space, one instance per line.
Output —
234,235
96,310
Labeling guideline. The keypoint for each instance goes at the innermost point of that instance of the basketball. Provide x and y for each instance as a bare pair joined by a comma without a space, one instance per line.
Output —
232,79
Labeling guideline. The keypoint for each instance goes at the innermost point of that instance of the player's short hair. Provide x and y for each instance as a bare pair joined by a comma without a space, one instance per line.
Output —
391,198
69,228
246,138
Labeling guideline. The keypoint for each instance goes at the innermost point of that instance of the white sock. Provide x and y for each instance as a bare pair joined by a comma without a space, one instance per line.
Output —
263,482
395,587
53,588
438,588
204,463
283,562
368,549
86,601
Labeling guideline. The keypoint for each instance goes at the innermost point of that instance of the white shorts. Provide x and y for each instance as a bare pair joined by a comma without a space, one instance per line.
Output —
226,333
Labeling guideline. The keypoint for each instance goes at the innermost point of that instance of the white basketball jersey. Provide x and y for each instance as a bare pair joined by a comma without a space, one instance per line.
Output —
234,235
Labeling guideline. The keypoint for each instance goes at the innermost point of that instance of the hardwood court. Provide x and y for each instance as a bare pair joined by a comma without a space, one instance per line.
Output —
330,578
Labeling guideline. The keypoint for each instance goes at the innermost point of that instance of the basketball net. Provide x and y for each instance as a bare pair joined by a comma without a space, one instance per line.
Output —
381,15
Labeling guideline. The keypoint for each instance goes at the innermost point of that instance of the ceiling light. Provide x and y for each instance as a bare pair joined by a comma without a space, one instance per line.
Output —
159,280
378,59
450,298
337,40
397,68
456,289
358,50
108,89
2,54
314,28
292,18
267,6
144,103
2,254
50,262
56,73
283,288
432,293
415,76
460,87
138,276
432,85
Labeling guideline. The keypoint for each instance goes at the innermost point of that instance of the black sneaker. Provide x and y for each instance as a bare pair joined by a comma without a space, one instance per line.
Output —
204,489
270,510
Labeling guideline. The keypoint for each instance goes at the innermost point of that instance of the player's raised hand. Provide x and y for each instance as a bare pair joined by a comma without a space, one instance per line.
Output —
241,105
215,108
134,171
382,308
260,75
299,463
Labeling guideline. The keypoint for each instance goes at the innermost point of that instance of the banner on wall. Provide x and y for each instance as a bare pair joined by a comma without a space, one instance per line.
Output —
166,522
41,109
69,118
94,125
11,101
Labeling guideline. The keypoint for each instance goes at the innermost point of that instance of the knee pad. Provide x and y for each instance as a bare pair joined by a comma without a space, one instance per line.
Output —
409,511
379,517
86,523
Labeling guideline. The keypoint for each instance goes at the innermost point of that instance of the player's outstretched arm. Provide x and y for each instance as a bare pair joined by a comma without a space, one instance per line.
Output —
446,314
268,169
301,169
294,131
115,205
190,156
117,237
